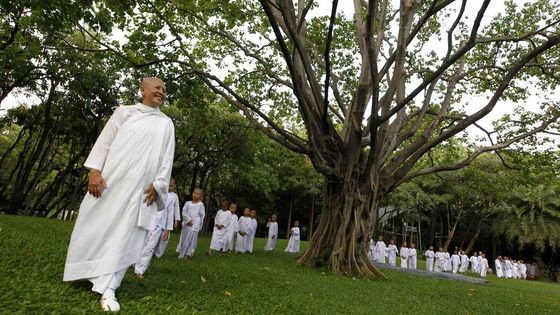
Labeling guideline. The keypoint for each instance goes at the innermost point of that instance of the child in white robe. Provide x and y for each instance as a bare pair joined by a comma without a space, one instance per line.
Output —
219,234
380,250
272,226
404,253
193,217
231,229
412,256
447,266
252,231
372,255
474,263
243,230
293,242
440,260
164,224
515,270
455,260
464,262
392,252
176,215
522,270
429,254
483,266
498,267
508,266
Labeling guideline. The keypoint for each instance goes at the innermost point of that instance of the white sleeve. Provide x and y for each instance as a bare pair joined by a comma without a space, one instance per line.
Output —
161,182
98,154
201,214
169,214
177,209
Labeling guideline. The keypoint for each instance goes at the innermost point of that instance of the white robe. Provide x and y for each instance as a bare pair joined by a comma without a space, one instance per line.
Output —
474,264
392,252
173,213
412,258
483,267
293,242
464,263
508,266
455,260
440,262
192,212
404,257
447,267
231,231
380,252
219,236
272,236
135,149
243,225
372,256
523,271
251,236
515,271
498,267
429,260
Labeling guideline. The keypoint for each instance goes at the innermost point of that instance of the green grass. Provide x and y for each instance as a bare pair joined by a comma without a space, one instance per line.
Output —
32,260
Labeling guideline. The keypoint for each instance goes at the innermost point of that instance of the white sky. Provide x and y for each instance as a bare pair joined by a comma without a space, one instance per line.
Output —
346,7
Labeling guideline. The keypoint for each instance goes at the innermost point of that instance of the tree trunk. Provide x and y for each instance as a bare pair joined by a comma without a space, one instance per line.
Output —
341,237
311,218
290,217
474,238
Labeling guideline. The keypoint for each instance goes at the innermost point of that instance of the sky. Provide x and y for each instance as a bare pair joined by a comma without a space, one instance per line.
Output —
473,103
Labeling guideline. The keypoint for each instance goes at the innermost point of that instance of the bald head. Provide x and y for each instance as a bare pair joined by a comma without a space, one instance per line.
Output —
153,91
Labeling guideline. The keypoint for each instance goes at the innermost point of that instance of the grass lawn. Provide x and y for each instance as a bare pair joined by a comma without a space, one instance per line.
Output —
33,250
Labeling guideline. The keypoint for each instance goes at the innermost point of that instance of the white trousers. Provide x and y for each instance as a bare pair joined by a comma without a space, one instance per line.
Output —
148,252
109,281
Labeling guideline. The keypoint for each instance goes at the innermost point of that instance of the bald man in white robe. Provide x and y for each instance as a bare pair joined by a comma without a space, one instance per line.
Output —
130,168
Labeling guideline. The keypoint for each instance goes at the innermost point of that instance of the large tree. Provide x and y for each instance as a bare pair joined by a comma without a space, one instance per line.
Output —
374,94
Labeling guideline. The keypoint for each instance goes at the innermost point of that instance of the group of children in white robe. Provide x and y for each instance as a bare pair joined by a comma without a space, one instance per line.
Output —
439,261
515,269
379,251
230,233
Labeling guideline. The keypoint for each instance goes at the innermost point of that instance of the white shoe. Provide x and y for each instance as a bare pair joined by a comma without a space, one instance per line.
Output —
109,303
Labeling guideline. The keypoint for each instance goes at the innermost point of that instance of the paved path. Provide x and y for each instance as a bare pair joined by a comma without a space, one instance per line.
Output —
439,275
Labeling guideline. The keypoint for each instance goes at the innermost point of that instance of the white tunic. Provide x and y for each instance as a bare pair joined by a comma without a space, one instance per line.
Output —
135,149
293,242
412,258
272,236
447,266
219,236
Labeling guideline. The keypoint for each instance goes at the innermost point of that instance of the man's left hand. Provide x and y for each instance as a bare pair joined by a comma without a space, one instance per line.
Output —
151,194
165,235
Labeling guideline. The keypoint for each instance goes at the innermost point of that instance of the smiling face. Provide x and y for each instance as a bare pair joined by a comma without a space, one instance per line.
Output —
153,92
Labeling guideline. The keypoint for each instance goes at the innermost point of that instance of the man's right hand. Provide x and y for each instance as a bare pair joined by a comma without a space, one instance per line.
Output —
96,183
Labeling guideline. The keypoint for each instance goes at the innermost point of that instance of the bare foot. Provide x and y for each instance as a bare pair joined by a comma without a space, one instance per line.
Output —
140,276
